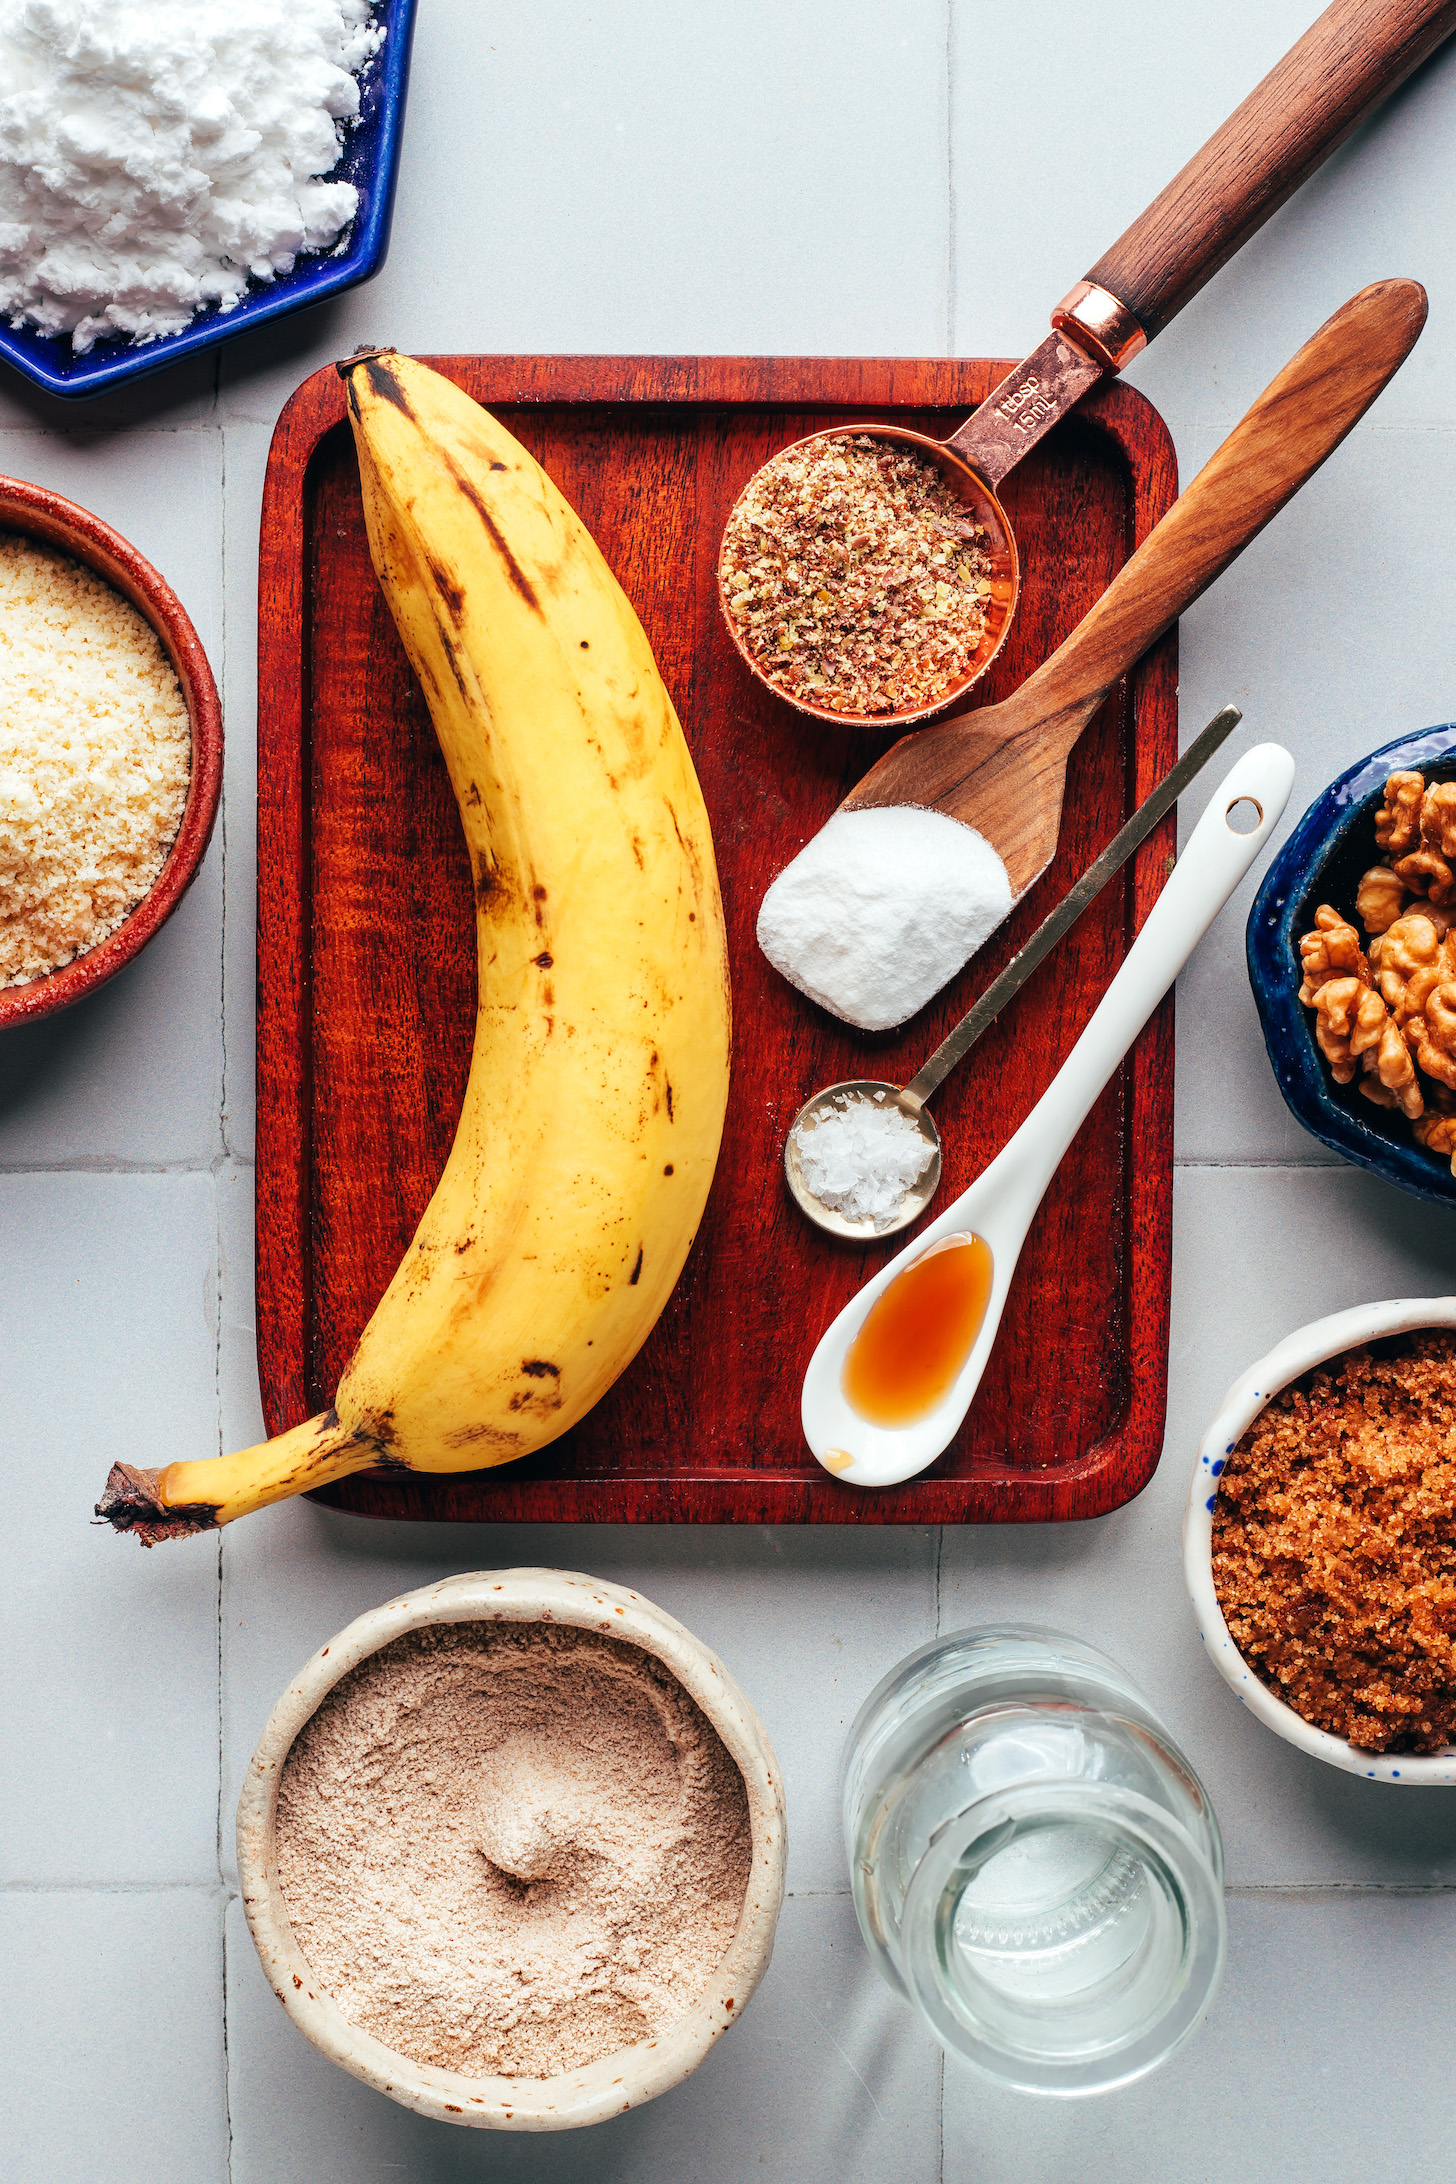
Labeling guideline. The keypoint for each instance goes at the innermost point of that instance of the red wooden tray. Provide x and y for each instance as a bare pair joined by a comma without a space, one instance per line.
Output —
366,965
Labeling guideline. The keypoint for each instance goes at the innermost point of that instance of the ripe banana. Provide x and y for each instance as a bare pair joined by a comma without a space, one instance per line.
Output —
599,1074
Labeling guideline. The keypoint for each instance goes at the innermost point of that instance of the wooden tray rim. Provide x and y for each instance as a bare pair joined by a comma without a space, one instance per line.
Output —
1119,1466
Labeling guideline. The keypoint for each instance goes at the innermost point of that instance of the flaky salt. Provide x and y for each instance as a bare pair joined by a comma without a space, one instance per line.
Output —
880,909
861,1158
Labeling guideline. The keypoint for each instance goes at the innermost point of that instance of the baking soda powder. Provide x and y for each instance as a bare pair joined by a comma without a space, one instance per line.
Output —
880,909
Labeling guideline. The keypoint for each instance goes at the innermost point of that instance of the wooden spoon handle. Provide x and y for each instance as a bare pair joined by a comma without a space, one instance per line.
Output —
1345,64
1299,419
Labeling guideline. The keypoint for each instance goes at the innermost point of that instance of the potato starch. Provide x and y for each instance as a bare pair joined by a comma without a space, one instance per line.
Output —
155,153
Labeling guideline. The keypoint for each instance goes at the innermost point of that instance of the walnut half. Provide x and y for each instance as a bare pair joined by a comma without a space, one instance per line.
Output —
1426,870
1398,825
1391,1079
1438,1134
1432,1034
1349,1019
1332,950
1379,899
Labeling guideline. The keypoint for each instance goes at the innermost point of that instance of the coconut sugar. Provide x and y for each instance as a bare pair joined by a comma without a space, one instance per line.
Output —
861,1158
880,909
509,1849
1334,1545
95,758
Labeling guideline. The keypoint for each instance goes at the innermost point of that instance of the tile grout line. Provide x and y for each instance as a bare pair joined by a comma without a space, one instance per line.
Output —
116,1888
84,1164
950,190
222,1102
223,1967
227,1893
227,2089
223,815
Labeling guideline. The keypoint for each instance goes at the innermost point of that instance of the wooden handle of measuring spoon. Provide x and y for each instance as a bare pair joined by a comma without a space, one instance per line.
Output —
1343,66
1299,419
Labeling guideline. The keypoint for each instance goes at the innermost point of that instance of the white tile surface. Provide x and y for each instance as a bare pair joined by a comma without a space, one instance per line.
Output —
827,2075
109,1699
1330,2027
111,2049
814,179
654,178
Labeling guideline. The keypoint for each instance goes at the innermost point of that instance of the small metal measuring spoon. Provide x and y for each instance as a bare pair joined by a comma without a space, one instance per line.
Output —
910,1099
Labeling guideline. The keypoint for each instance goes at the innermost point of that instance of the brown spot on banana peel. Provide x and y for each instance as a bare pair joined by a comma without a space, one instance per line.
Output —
453,595
497,537
490,1436
382,381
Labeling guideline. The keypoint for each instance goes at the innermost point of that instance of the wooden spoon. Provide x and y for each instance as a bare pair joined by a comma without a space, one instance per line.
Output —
1003,769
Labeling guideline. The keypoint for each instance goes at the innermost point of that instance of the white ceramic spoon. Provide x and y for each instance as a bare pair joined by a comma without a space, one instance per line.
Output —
1001,1202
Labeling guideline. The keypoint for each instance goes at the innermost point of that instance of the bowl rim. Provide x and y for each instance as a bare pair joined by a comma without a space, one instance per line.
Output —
615,2082
51,520
112,363
1306,1347
1271,955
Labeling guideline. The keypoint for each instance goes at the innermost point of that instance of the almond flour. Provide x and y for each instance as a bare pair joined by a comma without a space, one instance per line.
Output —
509,1849
95,758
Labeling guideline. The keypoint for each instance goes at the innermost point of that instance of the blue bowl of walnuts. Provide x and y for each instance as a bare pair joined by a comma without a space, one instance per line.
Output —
1352,958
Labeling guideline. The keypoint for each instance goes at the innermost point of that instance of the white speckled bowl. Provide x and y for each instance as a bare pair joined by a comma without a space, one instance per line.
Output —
1306,1347
615,2082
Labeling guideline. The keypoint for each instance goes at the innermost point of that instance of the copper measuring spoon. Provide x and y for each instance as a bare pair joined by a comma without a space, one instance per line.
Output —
1350,59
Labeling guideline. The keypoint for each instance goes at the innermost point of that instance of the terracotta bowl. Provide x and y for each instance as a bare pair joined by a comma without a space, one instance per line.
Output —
52,521
1298,1353
614,2082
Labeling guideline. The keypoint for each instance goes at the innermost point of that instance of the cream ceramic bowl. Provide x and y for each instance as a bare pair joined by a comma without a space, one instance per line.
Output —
1306,1347
615,2082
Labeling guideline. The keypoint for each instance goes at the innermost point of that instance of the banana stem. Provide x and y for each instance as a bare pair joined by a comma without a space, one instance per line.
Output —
197,1497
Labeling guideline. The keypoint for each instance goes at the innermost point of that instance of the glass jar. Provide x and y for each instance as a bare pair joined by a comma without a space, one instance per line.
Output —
1035,1864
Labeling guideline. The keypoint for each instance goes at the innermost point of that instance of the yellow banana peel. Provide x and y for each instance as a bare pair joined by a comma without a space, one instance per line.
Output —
599,1075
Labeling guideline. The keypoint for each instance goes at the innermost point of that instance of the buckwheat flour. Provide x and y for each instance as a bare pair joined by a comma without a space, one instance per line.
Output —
512,1848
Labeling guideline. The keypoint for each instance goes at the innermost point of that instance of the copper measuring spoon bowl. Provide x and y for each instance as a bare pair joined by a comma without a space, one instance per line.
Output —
982,508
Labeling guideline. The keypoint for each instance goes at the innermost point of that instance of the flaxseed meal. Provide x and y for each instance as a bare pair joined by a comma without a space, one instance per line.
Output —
854,577
1334,1544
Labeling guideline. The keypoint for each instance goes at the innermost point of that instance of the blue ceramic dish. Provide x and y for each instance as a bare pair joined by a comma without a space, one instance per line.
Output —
1322,862
370,161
